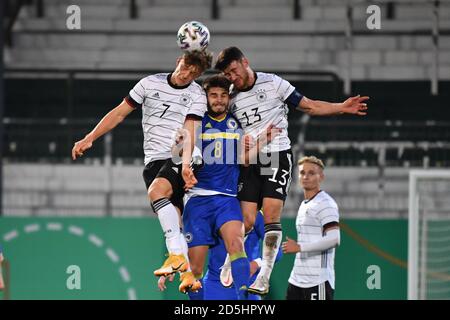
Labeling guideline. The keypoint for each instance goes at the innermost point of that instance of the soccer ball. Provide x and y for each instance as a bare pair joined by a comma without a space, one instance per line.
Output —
193,35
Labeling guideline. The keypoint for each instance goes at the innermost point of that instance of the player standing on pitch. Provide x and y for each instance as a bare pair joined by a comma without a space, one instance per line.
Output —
260,99
312,277
169,102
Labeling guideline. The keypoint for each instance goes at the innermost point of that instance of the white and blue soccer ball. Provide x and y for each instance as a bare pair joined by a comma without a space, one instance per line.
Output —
193,35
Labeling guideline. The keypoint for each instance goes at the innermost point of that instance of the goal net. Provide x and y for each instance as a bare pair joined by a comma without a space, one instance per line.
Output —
429,235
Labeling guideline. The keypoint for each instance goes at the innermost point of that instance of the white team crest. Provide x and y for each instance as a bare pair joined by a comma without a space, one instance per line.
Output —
188,237
261,96
232,124
240,186
185,99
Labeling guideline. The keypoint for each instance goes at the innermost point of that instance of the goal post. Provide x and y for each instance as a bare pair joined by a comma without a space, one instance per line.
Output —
429,234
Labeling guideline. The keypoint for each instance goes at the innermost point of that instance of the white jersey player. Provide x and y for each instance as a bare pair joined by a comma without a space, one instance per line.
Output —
164,110
317,223
260,99
262,106
169,102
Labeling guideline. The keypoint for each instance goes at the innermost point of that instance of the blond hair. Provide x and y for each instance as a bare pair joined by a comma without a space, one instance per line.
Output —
312,159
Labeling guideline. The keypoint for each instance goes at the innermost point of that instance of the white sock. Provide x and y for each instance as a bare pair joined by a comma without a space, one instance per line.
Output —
170,224
271,245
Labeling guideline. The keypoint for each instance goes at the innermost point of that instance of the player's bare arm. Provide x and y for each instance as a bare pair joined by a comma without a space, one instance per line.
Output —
2,283
191,125
354,105
250,149
162,281
108,122
177,148
182,142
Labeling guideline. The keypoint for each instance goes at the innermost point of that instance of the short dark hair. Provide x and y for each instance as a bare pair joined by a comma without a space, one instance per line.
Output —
216,81
227,56
200,58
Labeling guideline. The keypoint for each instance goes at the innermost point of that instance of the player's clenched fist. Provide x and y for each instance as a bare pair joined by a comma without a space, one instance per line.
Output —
81,146
188,177
290,246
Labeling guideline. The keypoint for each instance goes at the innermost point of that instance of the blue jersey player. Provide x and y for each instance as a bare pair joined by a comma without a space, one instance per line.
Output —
212,209
213,288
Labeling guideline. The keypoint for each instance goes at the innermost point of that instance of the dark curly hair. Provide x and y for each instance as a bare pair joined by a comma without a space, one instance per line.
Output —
216,81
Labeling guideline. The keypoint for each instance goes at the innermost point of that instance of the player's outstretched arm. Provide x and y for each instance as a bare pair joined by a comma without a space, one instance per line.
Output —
108,122
354,105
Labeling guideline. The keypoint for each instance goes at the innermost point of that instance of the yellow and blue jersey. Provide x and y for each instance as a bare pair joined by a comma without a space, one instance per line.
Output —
220,141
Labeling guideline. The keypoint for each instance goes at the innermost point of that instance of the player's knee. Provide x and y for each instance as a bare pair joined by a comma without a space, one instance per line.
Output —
153,194
272,212
271,219
159,190
249,222
236,245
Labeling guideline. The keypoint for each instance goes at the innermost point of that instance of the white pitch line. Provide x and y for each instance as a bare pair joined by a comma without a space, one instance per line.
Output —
32,228
112,255
95,240
76,231
54,226
124,274
10,235
132,294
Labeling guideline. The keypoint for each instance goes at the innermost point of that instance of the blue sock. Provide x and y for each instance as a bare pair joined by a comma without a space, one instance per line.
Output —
196,295
240,270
